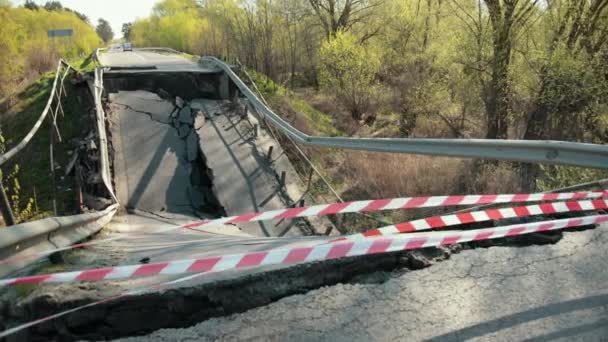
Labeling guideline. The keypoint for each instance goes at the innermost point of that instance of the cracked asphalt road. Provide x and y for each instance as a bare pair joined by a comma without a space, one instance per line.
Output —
535,293
152,172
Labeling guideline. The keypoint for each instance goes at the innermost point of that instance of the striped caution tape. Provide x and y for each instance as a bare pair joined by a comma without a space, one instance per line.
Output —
348,207
444,221
397,204
286,256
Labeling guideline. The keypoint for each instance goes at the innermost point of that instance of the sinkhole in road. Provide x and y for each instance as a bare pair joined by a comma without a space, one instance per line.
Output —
185,306
159,166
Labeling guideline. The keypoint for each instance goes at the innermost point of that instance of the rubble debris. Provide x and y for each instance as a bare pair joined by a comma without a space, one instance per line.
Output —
179,102
71,163
91,145
96,202
192,146
185,116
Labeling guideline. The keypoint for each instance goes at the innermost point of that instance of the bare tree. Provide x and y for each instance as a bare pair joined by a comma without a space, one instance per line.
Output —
506,17
341,15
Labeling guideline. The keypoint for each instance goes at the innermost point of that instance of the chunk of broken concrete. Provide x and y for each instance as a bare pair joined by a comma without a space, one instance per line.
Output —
185,116
179,102
192,146
183,131
91,145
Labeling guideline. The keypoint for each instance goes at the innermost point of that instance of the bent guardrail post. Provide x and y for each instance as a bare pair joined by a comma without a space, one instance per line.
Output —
531,151
101,131
5,206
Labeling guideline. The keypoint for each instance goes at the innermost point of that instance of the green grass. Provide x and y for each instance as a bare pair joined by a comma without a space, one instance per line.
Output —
33,161
321,123
86,64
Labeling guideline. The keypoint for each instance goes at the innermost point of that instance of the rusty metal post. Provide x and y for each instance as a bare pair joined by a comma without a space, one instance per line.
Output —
5,206
309,183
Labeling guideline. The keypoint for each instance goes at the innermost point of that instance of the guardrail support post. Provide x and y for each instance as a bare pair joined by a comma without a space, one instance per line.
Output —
5,206
270,152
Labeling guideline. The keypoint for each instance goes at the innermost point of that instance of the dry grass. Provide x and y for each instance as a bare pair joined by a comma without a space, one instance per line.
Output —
380,175
493,178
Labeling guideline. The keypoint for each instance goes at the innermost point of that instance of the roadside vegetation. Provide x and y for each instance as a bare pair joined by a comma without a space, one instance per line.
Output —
27,176
28,55
520,69
27,52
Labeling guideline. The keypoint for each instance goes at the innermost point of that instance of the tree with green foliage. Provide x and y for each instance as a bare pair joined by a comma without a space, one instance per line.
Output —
31,5
348,69
571,78
22,209
104,30
126,31
25,43
53,6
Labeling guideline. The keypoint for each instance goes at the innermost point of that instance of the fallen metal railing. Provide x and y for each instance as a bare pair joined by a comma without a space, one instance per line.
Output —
532,151
21,145
20,243
104,161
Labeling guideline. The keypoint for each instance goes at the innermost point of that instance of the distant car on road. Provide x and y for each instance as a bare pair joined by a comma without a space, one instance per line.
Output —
127,47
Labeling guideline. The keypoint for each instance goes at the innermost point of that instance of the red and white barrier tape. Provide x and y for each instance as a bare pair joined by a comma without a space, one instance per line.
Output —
286,256
396,204
347,207
437,222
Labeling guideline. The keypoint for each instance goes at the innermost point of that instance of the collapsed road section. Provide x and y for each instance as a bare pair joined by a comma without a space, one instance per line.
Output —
158,162
184,149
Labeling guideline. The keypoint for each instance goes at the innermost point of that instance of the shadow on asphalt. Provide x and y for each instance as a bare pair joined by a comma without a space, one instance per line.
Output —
522,317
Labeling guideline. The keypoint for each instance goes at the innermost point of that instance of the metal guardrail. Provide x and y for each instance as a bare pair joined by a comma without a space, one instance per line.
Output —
101,131
21,145
19,242
532,151
96,54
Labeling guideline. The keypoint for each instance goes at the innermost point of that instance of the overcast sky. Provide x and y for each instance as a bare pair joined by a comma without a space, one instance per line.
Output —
116,12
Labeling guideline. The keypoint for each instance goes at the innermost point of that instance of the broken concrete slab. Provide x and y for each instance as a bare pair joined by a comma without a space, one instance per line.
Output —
198,104
179,102
145,103
183,131
244,179
192,147
185,116
153,173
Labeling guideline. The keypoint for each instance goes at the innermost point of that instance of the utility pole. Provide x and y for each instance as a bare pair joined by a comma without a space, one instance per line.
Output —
5,206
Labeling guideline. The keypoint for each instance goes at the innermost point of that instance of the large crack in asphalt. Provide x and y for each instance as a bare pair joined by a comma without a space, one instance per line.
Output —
202,201
186,306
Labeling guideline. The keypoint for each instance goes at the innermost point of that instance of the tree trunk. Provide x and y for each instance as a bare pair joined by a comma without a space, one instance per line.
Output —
497,100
